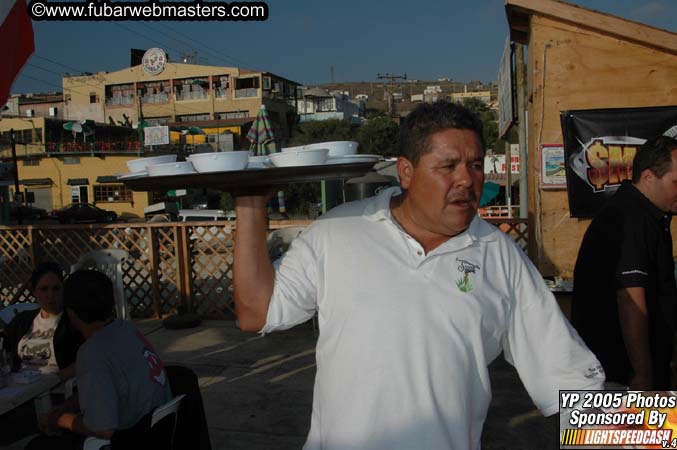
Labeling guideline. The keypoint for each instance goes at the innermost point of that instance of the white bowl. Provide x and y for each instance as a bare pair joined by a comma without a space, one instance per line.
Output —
312,157
259,162
139,165
294,149
219,161
175,168
337,148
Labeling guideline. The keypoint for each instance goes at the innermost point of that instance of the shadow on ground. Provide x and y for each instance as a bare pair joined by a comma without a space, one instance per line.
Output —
258,389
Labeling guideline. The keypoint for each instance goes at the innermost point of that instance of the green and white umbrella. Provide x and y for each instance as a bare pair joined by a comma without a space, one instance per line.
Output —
262,142
86,127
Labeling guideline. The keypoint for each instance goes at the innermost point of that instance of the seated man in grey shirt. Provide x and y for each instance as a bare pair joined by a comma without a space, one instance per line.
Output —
119,376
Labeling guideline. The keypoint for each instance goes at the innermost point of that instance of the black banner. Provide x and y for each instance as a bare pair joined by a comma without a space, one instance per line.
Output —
599,147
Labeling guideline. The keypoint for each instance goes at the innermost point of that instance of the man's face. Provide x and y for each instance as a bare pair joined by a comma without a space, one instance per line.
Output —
444,189
664,189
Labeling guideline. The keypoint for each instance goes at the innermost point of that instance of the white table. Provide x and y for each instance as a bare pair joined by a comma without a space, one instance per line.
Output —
15,394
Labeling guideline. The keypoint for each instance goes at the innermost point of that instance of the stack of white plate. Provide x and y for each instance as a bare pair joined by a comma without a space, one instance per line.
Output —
141,164
348,159
139,167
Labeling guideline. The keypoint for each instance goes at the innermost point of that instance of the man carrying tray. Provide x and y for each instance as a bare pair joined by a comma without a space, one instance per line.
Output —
416,295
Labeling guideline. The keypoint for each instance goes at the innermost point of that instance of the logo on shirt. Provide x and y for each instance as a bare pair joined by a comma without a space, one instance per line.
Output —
636,271
467,268
157,373
155,365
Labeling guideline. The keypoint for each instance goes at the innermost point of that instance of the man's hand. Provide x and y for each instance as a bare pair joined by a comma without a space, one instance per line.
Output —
633,317
641,382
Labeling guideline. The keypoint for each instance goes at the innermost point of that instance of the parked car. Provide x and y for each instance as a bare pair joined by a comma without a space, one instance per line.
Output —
83,212
27,212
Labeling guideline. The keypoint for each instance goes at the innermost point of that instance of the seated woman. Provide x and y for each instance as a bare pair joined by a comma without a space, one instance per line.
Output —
43,339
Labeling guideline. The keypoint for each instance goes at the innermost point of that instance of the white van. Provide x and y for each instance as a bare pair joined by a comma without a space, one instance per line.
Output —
204,215
207,215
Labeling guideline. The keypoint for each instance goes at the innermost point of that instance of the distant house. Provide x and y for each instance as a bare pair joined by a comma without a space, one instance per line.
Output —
48,104
432,94
484,96
315,104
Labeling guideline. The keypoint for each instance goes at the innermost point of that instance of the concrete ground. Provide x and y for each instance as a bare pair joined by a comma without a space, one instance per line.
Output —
258,390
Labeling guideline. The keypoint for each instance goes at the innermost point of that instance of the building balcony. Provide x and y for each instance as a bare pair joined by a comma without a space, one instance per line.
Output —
192,96
120,101
93,147
247,93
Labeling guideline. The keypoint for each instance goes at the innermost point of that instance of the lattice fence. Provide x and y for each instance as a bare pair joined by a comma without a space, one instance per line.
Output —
517,229
171,266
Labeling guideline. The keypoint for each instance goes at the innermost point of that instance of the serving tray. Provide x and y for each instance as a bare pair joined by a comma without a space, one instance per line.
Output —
250,178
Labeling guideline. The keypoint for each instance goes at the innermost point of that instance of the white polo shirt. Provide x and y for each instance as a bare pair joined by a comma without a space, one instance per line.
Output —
406,338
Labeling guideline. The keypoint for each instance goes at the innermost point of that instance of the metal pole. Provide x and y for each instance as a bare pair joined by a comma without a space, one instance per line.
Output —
508,178
19,215
522,130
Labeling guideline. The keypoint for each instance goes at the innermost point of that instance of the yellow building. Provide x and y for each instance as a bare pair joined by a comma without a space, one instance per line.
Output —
484,96
57,167
55,171
180,93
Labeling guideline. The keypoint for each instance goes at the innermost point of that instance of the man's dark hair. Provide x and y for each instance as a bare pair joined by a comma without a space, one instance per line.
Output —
429,118
89,294
656,155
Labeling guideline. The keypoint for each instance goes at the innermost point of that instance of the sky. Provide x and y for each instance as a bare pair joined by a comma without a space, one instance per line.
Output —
303,39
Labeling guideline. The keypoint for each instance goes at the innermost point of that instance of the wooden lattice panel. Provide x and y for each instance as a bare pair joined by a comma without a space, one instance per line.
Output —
167,268
16,265
211,261
170,265
517,229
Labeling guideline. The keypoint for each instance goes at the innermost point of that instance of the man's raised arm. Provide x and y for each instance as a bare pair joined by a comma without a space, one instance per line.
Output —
253,274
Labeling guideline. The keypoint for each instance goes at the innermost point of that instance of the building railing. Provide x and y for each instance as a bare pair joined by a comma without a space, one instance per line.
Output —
120,101
97,146
179,266
246,93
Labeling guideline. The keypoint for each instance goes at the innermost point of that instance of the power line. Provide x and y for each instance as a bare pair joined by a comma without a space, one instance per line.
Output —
217,52
146,37
58,63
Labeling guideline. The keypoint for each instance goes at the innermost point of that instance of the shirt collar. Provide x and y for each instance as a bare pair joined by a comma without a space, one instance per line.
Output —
379,209
654,212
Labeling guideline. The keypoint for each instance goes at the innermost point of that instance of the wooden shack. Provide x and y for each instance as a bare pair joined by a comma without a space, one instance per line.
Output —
580,59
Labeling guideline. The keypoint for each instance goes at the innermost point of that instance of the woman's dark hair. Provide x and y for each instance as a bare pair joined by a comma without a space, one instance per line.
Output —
43,269
430,118
89,294
656,155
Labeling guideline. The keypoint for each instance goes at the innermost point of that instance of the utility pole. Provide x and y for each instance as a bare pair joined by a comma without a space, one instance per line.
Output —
522,129
392,108
331,70
17,192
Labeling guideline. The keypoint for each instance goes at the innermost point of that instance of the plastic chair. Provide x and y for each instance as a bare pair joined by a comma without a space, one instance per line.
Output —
110,263
279,240
171,408
192,431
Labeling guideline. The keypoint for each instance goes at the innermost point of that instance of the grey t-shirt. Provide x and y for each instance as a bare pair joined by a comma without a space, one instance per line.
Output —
120,378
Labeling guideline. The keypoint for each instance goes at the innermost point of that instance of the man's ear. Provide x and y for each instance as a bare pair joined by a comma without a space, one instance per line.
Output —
405,170
648,176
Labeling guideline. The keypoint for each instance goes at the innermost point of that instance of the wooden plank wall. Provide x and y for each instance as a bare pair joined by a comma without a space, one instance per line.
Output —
570,67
